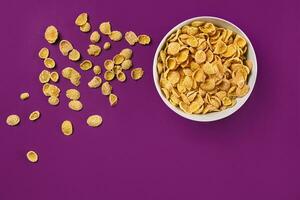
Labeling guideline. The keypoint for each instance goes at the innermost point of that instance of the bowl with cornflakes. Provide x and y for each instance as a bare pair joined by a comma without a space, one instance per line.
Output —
205,68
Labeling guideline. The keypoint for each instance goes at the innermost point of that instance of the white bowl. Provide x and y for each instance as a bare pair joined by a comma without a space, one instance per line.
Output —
240,101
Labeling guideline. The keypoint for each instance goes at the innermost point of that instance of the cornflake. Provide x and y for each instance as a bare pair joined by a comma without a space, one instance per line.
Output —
71,74
109,64
65,47
24,95
97,70
85,28
105,28
94,120
75,105
95,37
113,99
51,34
13,120
106,88
44,53
109,75
126,53
54,76
144,39
74,55
86,65
95,82
118,59
49,63
115,36
126,64
32,156
73,94
121,76
131,38
137,73
34,115
53,100
67,128
106,45
81,19
203,68
94,50
44,76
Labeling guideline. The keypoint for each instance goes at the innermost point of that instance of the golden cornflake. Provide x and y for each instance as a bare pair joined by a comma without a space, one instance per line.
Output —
44,76
85,27
106,88
75,105
118,59
137,73
65,47
105,28
94,120
121,76
44,53
81,19
54,76
73,94
106,45
67,128
109,64
127,53
203,68
34,115
95,37
71,74
95,82
24,95
113,99
49,63
126,64
131,38
94,50
51,34
115,36
97,70
32,156
109,75
53,100
86,65
144,39
74,55
13,120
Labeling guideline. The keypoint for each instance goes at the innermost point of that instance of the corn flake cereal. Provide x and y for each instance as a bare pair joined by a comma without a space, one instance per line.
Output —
67,128
113,99
44,76
65,47
203,68
44,53
95,37
13,120
32,156
94,120
97,70
126,53
51,34
106,88
75,105
137,73
109,64
49,63
54,76
81,19
95,82
106,45
118,59
24,95
115,36
86,65
34,115
109,75
85,28
144,39
126,64
105,28
53,100
73,94
74,55
71,74
131,38
94,50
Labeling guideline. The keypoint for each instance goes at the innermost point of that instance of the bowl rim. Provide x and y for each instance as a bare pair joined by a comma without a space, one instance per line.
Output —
204,118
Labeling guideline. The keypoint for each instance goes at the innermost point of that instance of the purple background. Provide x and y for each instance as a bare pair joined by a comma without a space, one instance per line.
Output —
143,150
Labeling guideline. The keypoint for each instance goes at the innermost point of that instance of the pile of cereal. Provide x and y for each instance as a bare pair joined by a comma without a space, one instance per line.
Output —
203,68
114,69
